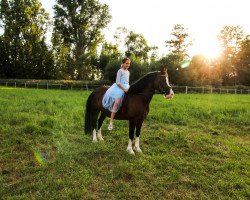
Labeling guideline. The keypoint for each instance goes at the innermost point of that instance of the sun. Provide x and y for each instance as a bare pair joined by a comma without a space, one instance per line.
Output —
210,49
206,45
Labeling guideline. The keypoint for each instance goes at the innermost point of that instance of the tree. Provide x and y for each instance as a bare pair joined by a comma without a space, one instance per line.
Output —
178,47
25,23
179,43
137,46
5,71
109,53
77,28
242,64
231,38
202,71
170,62
134,45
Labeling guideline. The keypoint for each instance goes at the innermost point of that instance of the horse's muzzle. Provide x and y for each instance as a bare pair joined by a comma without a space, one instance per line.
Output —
170,95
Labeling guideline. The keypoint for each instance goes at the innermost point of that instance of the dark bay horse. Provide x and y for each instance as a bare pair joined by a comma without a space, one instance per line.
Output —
135,106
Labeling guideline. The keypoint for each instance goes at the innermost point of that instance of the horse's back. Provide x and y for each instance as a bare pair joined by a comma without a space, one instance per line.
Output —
97,95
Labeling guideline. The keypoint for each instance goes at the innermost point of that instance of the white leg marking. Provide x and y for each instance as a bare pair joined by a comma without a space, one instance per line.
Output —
137,145
94,136
129,148
99,135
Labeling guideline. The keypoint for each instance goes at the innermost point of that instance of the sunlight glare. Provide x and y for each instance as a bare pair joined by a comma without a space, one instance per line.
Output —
206,44
39,158
185,64
210,50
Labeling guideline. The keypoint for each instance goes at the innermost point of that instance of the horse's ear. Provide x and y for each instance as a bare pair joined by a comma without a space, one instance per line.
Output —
164,70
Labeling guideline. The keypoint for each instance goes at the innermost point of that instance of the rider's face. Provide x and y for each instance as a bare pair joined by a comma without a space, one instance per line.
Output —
126,64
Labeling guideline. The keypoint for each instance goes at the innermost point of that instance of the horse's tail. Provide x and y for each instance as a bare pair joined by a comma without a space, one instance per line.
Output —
91,114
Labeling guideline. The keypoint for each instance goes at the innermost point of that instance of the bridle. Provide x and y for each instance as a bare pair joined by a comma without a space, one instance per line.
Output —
164,91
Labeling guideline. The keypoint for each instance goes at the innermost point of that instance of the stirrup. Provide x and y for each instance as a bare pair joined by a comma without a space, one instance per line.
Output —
110,128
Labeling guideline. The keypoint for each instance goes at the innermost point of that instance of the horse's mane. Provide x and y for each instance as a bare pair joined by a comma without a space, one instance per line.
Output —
143,82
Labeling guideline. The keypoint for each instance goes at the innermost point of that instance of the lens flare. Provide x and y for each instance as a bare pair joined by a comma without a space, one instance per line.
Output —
39,158
185,64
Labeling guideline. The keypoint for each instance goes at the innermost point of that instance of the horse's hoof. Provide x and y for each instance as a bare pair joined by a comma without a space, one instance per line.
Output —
101,139
94,141
130,151
137,150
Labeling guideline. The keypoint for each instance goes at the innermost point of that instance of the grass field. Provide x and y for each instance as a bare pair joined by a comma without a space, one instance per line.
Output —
194,147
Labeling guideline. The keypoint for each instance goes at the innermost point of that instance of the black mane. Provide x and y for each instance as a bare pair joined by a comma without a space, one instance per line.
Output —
143,82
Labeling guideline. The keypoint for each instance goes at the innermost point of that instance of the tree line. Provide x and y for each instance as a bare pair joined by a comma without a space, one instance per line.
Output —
79,51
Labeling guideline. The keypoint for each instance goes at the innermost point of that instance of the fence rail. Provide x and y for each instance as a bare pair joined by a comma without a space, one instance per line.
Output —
210,90
177,89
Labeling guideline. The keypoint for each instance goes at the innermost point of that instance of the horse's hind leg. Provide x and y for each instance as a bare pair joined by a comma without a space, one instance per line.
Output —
93,124
137,143
99,131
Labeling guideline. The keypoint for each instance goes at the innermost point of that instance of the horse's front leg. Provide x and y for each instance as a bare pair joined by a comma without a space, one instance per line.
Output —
131,137
99,125
137,141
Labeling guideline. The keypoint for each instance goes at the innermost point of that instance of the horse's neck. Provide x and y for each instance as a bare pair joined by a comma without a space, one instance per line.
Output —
144,87
148,92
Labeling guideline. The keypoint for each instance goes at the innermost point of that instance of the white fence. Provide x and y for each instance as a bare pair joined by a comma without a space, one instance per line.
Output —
177,89
65,86
210,90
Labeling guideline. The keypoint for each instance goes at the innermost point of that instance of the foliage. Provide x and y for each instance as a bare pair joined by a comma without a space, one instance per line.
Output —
109,53
180,42
79,50
77,32
171,62
203,71
195,147
242,64
231,38
26,54
137,46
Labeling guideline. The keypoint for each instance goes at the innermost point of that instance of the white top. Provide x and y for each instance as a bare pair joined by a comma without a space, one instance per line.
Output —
122,77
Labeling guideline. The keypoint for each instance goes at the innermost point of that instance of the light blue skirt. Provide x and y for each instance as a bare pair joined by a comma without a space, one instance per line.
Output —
113,93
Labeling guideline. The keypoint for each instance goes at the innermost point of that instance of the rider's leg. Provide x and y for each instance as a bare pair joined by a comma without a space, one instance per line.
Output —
115,106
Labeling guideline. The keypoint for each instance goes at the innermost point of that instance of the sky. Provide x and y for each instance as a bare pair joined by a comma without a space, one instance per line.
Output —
155,19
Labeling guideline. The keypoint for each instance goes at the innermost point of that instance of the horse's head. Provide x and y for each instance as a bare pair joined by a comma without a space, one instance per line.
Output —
162,84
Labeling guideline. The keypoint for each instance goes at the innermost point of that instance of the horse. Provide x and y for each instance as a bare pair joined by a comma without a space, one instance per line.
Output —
135,106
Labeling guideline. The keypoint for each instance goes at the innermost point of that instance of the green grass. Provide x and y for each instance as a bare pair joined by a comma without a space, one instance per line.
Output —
194,147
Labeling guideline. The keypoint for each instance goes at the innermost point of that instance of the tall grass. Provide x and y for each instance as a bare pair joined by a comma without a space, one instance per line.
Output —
194,147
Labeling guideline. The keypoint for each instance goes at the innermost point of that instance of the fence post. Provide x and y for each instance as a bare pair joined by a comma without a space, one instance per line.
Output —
203,90
37,86
235,91
47,86
15,84
186,89
6,84
60,86
24,85
71,87
86,87
211,90
220,90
